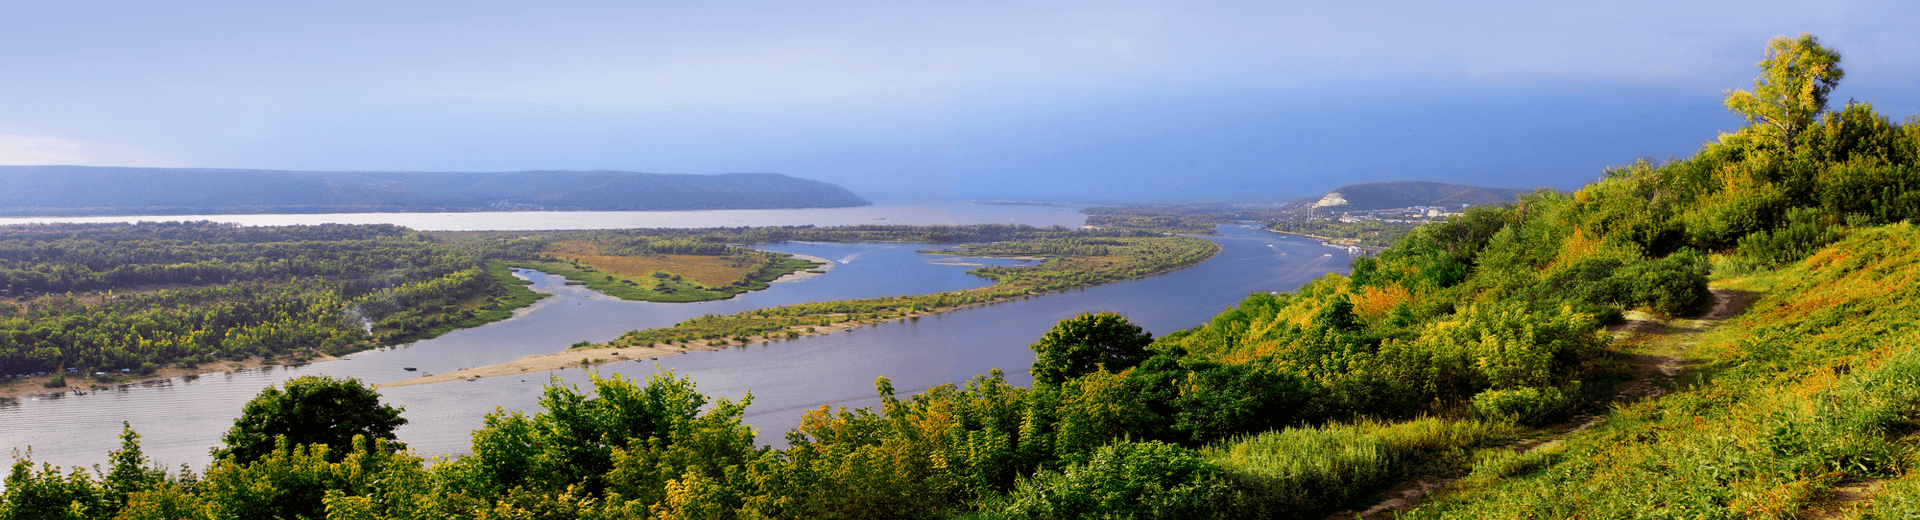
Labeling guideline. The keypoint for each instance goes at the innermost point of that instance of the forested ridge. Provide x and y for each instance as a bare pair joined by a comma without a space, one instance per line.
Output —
94,190
1435,358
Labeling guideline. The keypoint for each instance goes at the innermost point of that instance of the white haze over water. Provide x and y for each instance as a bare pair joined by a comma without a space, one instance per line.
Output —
883,212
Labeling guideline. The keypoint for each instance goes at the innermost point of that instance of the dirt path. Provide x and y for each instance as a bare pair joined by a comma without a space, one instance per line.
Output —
1655,352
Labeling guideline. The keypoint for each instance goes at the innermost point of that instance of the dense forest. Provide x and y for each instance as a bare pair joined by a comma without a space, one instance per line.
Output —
1440,357
109,297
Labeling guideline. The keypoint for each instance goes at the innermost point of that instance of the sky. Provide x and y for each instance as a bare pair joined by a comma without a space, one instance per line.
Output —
1086,101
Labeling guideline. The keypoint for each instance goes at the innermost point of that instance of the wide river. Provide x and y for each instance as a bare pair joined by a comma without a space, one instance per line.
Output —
181,418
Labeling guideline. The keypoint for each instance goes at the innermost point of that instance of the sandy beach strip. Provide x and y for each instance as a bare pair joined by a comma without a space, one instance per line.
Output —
75,383
599,355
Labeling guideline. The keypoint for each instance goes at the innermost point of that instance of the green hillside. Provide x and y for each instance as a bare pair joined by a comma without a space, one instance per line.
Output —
1726,336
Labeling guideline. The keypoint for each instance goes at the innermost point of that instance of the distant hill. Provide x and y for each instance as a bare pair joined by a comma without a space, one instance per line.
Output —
1390,195
89,190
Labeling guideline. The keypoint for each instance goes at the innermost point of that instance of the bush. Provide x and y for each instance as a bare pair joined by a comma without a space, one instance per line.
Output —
1527,405
1675,285
1127,480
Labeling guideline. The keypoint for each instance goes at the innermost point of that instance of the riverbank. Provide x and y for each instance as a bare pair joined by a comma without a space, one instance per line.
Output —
821,267
1334,242
32,386
1151,257
600,355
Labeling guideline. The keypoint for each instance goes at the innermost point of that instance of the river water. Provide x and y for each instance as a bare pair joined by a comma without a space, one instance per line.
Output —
883,211
181,418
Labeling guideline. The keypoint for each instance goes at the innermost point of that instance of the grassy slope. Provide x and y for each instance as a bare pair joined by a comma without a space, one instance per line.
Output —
1812,389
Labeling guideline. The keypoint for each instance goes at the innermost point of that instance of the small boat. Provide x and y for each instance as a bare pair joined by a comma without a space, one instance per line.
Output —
409,369
474,378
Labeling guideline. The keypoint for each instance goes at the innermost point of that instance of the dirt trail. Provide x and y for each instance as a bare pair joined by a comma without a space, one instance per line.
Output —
1660,361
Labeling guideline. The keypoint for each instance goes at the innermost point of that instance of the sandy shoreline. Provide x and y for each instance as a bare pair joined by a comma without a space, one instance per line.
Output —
36,385
602,355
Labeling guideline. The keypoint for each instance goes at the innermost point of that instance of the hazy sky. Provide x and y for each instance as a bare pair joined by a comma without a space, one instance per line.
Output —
1089,100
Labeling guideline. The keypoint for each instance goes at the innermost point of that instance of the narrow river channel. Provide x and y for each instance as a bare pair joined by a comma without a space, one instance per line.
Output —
180,419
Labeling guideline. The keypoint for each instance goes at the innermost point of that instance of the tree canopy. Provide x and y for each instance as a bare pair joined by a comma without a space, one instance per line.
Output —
1084,344
311,410
1792,90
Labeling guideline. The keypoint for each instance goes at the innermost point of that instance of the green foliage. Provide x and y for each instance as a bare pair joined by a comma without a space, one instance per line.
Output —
1298,472
112,296
1792,90
1126,480
575,440
310,410
50,495
1900,499
1811,388
1526,405
1086,343
294,481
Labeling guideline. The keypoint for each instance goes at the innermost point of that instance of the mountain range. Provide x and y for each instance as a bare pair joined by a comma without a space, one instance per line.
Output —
92,190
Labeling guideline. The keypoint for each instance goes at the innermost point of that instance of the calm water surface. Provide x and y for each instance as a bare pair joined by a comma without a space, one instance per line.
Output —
180,419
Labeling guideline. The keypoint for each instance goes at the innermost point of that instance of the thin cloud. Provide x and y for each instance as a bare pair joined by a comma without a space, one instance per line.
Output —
32,150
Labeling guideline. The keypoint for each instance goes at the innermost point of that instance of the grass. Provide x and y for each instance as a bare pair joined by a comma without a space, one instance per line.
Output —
1814,388
702,269
1304,472
667,277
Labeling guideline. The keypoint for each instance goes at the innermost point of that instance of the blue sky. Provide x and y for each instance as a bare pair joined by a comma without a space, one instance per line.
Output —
1062,100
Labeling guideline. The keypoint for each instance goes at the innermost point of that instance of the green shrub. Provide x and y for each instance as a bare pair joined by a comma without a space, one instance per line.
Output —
1126,480
1298,472
1527,405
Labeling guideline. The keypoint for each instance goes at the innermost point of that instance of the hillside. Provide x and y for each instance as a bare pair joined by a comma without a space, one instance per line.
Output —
1730,335
1389,195
87,190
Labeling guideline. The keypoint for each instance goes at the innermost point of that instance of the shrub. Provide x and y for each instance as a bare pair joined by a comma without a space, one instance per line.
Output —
1127,480
1528,405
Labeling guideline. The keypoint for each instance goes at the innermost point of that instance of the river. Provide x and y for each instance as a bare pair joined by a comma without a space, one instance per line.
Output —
884,211
179,419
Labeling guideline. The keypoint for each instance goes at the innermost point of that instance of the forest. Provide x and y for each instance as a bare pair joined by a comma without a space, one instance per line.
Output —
87,298
1495,351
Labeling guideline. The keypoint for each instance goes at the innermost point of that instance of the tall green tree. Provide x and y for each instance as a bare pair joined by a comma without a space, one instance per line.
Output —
311,410
1084,344
1792,89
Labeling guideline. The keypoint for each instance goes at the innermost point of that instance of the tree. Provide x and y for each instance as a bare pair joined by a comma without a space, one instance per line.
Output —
1792,89
311,410
1083,344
